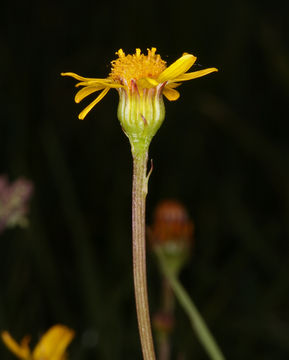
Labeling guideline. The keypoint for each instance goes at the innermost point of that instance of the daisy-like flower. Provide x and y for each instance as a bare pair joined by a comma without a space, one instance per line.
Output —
140,80
52,345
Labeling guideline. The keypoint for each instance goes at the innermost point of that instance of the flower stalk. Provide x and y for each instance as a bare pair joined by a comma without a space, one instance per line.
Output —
198,324
163,321
139,192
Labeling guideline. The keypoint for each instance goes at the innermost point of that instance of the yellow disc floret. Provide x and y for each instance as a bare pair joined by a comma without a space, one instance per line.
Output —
137,66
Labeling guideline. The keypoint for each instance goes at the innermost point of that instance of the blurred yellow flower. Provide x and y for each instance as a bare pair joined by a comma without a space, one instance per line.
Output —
138,73
51,346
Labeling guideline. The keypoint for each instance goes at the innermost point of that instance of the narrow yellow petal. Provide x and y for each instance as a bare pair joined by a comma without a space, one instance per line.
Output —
53,343
84,112
81,94
96,82
195,74
171,94
177,68
77,77
173,85
21,351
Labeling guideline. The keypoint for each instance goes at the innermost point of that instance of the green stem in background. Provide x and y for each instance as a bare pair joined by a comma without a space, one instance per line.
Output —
139,192
203,333
164,346
164,350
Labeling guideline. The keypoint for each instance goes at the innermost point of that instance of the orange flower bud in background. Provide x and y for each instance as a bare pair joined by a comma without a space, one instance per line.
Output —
171,223
172,231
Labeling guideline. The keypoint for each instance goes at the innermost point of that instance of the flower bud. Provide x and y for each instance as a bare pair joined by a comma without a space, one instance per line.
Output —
172,233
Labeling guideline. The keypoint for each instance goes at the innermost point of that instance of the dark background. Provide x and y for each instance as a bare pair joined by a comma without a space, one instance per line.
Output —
222,151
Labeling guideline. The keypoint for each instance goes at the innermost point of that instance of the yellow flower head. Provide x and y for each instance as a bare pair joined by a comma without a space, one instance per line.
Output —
52,345
140,80
139,72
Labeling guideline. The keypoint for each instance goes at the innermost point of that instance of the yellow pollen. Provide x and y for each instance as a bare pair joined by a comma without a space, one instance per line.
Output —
136,66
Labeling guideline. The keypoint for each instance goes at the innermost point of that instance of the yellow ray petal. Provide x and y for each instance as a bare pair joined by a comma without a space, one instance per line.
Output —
177,68
21,351
81,94
96,82
171,94
53,343
173,85
78,77
84,112
195,74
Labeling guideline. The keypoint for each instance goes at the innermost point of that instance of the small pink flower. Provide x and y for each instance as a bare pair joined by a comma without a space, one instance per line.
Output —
14,199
